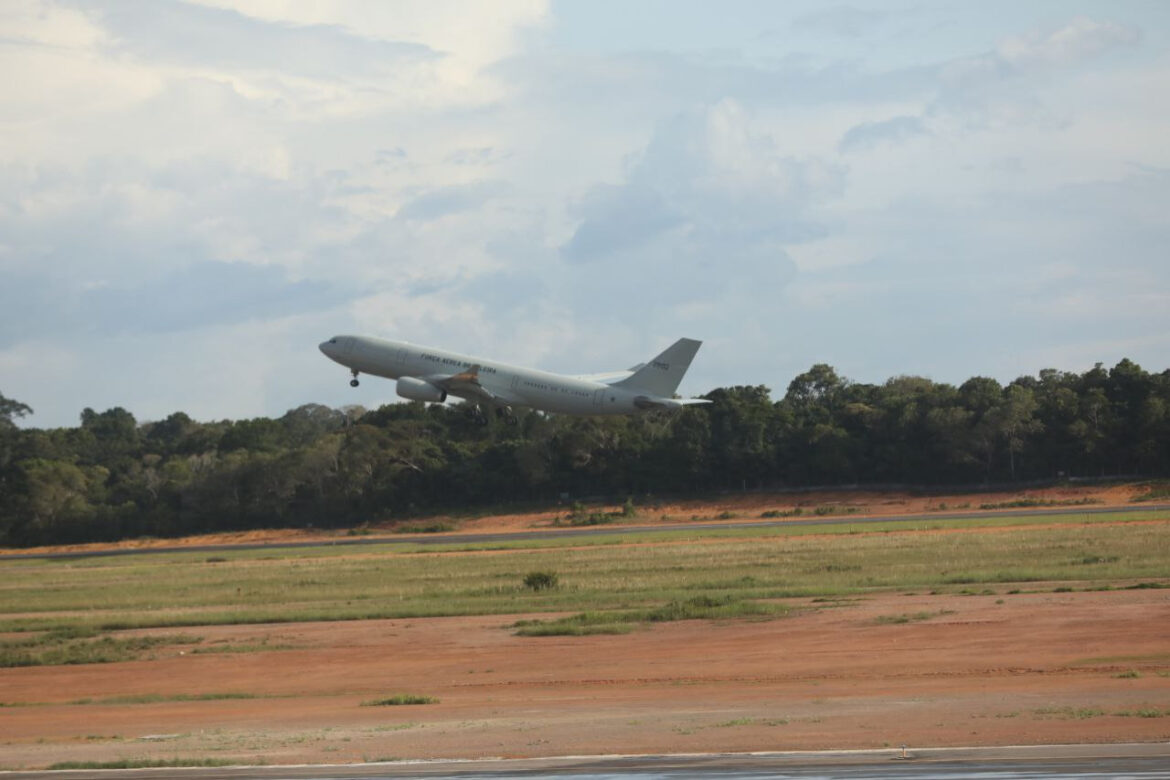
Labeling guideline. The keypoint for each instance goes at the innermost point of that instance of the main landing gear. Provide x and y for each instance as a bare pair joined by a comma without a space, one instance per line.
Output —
479,415
354,382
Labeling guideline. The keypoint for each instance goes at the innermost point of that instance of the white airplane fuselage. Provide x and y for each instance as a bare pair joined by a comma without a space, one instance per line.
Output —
429,374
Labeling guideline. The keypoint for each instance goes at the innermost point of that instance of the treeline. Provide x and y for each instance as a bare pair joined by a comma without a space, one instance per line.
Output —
113,477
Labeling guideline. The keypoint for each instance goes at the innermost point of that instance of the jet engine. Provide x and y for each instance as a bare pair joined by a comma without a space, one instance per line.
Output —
420,390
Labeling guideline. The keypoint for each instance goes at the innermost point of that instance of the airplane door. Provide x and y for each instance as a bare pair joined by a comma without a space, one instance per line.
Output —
347,346
401,359
599,398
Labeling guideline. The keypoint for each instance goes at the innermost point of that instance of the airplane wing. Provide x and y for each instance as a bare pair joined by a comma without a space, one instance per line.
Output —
606,377
466,385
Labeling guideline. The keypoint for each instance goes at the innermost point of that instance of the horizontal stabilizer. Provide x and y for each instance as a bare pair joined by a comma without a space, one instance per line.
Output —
645,402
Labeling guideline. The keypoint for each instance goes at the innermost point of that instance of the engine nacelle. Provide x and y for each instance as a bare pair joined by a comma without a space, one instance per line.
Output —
420,390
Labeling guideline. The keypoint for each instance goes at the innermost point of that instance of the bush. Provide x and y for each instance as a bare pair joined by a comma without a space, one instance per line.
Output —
541,580
400,699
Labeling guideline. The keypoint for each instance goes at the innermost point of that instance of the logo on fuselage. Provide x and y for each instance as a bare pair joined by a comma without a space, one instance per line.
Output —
661,366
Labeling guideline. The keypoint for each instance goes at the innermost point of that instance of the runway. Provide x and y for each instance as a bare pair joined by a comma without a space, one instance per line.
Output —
1137,761
569,533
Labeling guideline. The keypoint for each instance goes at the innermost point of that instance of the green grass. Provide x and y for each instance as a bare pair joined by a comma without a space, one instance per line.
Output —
1069,713
821,511
142,763
158,698
578,519
1155,491
911,617
580,515
624,621
242,647
399,700
435,527
61,646
1145,658
607,574
569,627
751,722
1027,503
1145,712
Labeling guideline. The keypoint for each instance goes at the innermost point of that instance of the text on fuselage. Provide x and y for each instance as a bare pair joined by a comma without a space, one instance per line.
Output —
457,363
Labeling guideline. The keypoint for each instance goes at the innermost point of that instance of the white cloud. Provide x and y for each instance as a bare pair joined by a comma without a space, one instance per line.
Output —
707,173
1006,87
469,37
1080,39
894,130
45,23
842,20
216,180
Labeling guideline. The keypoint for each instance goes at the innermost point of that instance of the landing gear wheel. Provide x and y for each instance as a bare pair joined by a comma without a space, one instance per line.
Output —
354,382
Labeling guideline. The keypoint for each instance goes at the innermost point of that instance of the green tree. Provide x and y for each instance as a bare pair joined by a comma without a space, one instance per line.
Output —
815,394
743,451
1016,420
9,433
10,408
1092,427
60,499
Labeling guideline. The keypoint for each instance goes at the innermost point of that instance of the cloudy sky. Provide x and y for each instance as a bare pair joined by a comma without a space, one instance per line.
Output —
195,194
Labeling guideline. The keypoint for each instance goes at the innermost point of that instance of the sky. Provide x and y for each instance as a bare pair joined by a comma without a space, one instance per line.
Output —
193,195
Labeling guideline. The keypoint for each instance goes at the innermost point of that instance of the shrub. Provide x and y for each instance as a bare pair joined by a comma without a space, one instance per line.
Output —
771,513
400,699
541,580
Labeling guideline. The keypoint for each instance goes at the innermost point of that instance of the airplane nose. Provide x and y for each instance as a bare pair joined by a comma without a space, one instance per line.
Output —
326,347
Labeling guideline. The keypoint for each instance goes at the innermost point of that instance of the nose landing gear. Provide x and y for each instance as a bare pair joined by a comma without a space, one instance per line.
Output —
354,382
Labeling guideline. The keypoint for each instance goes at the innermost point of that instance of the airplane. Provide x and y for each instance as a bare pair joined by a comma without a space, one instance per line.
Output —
427,374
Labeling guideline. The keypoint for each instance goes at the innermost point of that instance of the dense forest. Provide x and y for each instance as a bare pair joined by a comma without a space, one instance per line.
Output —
113,477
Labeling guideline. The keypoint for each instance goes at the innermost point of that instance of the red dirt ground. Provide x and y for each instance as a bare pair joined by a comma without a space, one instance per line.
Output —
987,670
1026,668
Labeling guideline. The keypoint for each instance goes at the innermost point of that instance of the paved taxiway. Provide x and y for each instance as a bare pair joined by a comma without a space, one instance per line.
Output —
564,533
1139,761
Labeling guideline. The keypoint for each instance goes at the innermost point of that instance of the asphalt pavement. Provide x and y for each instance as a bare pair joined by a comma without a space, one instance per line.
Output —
1135,761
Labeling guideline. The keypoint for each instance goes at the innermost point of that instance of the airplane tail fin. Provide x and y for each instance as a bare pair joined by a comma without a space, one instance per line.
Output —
661,376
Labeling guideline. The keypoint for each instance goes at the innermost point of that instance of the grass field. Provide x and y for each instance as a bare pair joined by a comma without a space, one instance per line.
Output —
606,582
